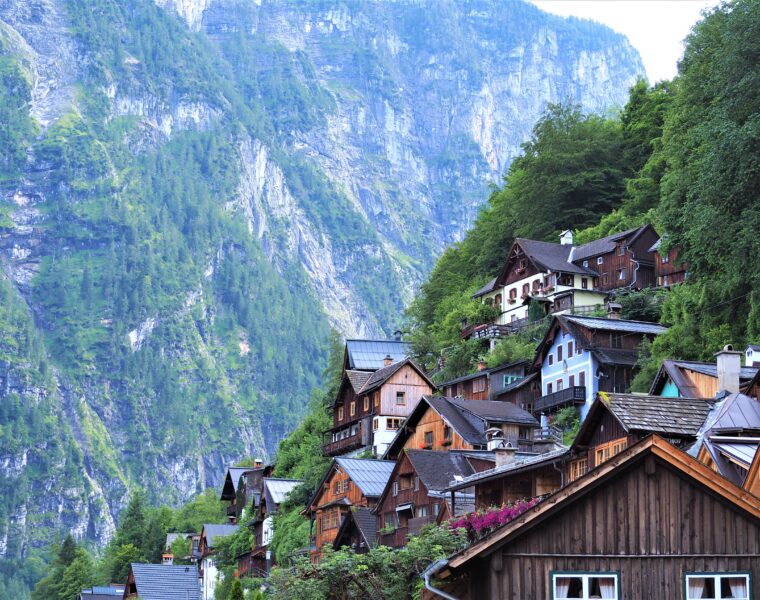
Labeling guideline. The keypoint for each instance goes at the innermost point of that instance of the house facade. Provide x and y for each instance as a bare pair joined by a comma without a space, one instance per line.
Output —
485,384
208,573
652,522
691,379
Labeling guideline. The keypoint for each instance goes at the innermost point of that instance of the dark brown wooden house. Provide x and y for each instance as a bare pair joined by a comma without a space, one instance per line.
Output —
485,384
415,494
651,522
232,481
668,269
358,530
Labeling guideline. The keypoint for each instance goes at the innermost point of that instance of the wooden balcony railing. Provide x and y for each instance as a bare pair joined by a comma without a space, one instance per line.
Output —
572,395
345,445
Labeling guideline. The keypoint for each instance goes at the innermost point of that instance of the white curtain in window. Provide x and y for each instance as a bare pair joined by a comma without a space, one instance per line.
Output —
696,588
561,587
607,587
738,587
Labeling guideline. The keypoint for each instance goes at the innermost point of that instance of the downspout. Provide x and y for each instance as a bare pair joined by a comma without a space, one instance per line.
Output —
432,570
561,474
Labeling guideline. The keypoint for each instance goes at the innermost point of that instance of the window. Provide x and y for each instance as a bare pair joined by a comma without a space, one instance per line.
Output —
559,384
585,263
600,260
375,424
340,413
665,259
526,290
479,384
416,483
353,407
390,520
571,381
620,250
604,278
522,263
566,279
497,300
395,488
421,511
620,274
616,340
460,389
393,424
551,360
559,353
717,586
584,282
336,487
570,349
582,378
606,451
578,468
585,585
446,432
548,388
428,438
536,284
436,509
377,399
346,485
400,398
366,403
524,433
513,293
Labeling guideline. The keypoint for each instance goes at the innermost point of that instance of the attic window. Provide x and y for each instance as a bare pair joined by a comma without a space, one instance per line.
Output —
600,260
366,403
585,263
340,413
446,432
400,398
620,250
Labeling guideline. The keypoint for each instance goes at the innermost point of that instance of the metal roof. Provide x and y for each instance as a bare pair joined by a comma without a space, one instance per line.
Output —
369,355
369,475
616,324
166,582
485,372
711,369
278,489
742,451
737,413
213,531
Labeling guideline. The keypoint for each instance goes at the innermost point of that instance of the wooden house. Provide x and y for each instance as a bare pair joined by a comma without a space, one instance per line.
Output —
522,391
415,493
208,572
668,270
442,423
618,421
580,356
691,379
651,522
370,407
358,530
232,481
349,482
752,480
162,581
752,387
485,384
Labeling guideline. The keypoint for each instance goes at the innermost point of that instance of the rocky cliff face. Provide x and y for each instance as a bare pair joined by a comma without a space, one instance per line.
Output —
201,186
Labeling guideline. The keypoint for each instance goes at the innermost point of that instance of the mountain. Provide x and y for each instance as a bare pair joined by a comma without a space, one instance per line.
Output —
192,192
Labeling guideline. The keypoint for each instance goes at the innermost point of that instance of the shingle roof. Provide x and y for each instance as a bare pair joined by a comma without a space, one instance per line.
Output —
357,379
469,427
494,411
436,469
278,489
213,531
656,414
370,476
553,257
621,325
483,372
517,384
368,355
488,287
366,523
603,245
166,582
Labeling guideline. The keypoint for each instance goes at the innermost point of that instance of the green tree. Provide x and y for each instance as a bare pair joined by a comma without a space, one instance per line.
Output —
237,591
77,576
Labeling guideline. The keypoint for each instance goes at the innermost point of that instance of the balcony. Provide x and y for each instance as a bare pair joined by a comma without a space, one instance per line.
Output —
353,442
569,396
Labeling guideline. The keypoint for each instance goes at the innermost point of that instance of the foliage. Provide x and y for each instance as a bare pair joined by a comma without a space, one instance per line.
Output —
568,419
480,523
72,571
381,573
511,349
644,305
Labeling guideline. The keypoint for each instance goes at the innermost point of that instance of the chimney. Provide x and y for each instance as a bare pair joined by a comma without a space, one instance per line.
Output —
566,238
387,360
505,455
258,463
397,335
482,365
167,559
614,310
729,366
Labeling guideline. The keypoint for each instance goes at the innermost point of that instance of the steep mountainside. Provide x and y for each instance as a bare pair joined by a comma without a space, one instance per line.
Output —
193,191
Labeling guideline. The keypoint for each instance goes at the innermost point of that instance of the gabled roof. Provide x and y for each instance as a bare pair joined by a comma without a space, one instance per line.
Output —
487,288
357,379
728,451
379,377
675,370
484,372
369,475
435,469
548,256
231,481
753,347
365,523
653,445
369,355
736,414
212,532
277,489
607,244
166,582
671,417
618,325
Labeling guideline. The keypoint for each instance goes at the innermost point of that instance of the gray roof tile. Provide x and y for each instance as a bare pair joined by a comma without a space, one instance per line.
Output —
357,379
437,469
369,475
166,582
213,531
278,489
656,414
602,245
553,257
621,325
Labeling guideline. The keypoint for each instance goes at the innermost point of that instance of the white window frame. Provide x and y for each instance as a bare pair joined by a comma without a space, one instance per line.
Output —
600,260
717,577
584,576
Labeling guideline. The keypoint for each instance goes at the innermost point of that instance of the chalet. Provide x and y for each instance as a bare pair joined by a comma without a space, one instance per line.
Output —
522,392
241,484
752,356
580,356
274,492
651,522
485,384
618,421
515,477
358,530
162,582
229,491
443,423
207,572
370,407
690,379
668,270
730,437
415,493
349,482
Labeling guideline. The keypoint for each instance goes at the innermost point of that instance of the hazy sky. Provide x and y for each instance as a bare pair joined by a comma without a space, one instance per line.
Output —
656,28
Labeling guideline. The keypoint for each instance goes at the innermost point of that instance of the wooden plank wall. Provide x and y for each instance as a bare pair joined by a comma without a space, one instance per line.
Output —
409,381
432,421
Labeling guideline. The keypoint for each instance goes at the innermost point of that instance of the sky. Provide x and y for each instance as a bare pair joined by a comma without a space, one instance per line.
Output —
656,28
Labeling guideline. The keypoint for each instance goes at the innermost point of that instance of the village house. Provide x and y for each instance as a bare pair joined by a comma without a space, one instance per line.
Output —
358,530
485,383
415,493
256,562
349,482
371,406
650,522
208,574
580,356
691,379
442,423
160,582
240,485
668,270
752,356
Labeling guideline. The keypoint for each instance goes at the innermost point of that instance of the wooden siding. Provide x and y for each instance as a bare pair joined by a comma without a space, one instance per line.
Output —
513,275
346,396
650,529
707,385
674,271
432,421
528,484
406,380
